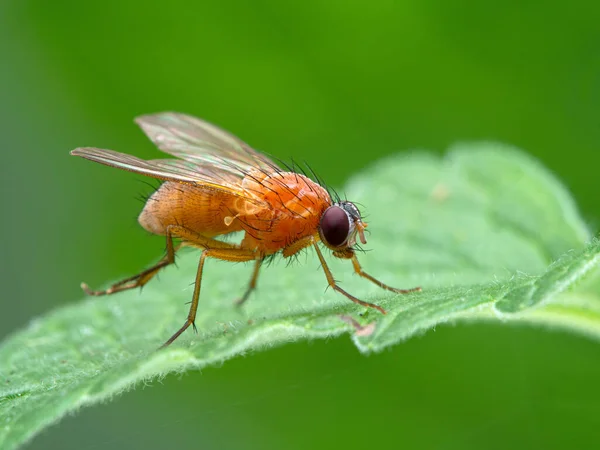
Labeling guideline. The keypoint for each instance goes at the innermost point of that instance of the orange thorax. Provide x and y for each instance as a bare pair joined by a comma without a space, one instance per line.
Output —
296,204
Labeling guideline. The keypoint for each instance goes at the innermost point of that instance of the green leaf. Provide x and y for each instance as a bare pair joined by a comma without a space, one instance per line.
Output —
486,231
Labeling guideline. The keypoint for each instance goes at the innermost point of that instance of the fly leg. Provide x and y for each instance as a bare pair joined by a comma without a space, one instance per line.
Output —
359,271
335,287
252,284
227,254
188,237
141,278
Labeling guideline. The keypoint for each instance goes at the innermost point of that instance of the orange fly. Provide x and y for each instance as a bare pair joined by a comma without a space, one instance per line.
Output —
220,185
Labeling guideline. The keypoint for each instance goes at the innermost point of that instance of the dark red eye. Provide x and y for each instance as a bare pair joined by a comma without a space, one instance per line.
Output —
335,226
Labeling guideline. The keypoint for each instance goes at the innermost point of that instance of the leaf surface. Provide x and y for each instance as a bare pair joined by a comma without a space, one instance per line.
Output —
486,231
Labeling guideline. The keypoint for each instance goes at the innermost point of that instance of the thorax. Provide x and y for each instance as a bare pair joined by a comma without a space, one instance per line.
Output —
295,206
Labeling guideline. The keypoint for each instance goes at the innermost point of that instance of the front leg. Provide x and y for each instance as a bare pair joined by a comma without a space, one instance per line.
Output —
362,273
335,287
298,245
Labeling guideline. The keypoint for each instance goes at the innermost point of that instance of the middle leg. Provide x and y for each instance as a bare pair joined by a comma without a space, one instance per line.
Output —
252,284
226,254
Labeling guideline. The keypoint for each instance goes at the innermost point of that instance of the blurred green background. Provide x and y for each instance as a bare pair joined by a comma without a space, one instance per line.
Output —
339,84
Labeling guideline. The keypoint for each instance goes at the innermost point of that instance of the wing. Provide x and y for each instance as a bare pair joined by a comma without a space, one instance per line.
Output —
200,176
203,143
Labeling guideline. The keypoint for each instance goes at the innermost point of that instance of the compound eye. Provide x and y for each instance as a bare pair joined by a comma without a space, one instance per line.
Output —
335,226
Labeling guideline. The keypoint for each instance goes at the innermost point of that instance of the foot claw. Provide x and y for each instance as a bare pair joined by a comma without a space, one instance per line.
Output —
380,309
407,291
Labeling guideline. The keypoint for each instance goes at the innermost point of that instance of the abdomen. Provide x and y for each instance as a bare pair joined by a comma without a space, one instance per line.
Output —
199,209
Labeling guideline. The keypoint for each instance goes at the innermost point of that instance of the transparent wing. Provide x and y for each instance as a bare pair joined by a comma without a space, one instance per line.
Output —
203,143
201,176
